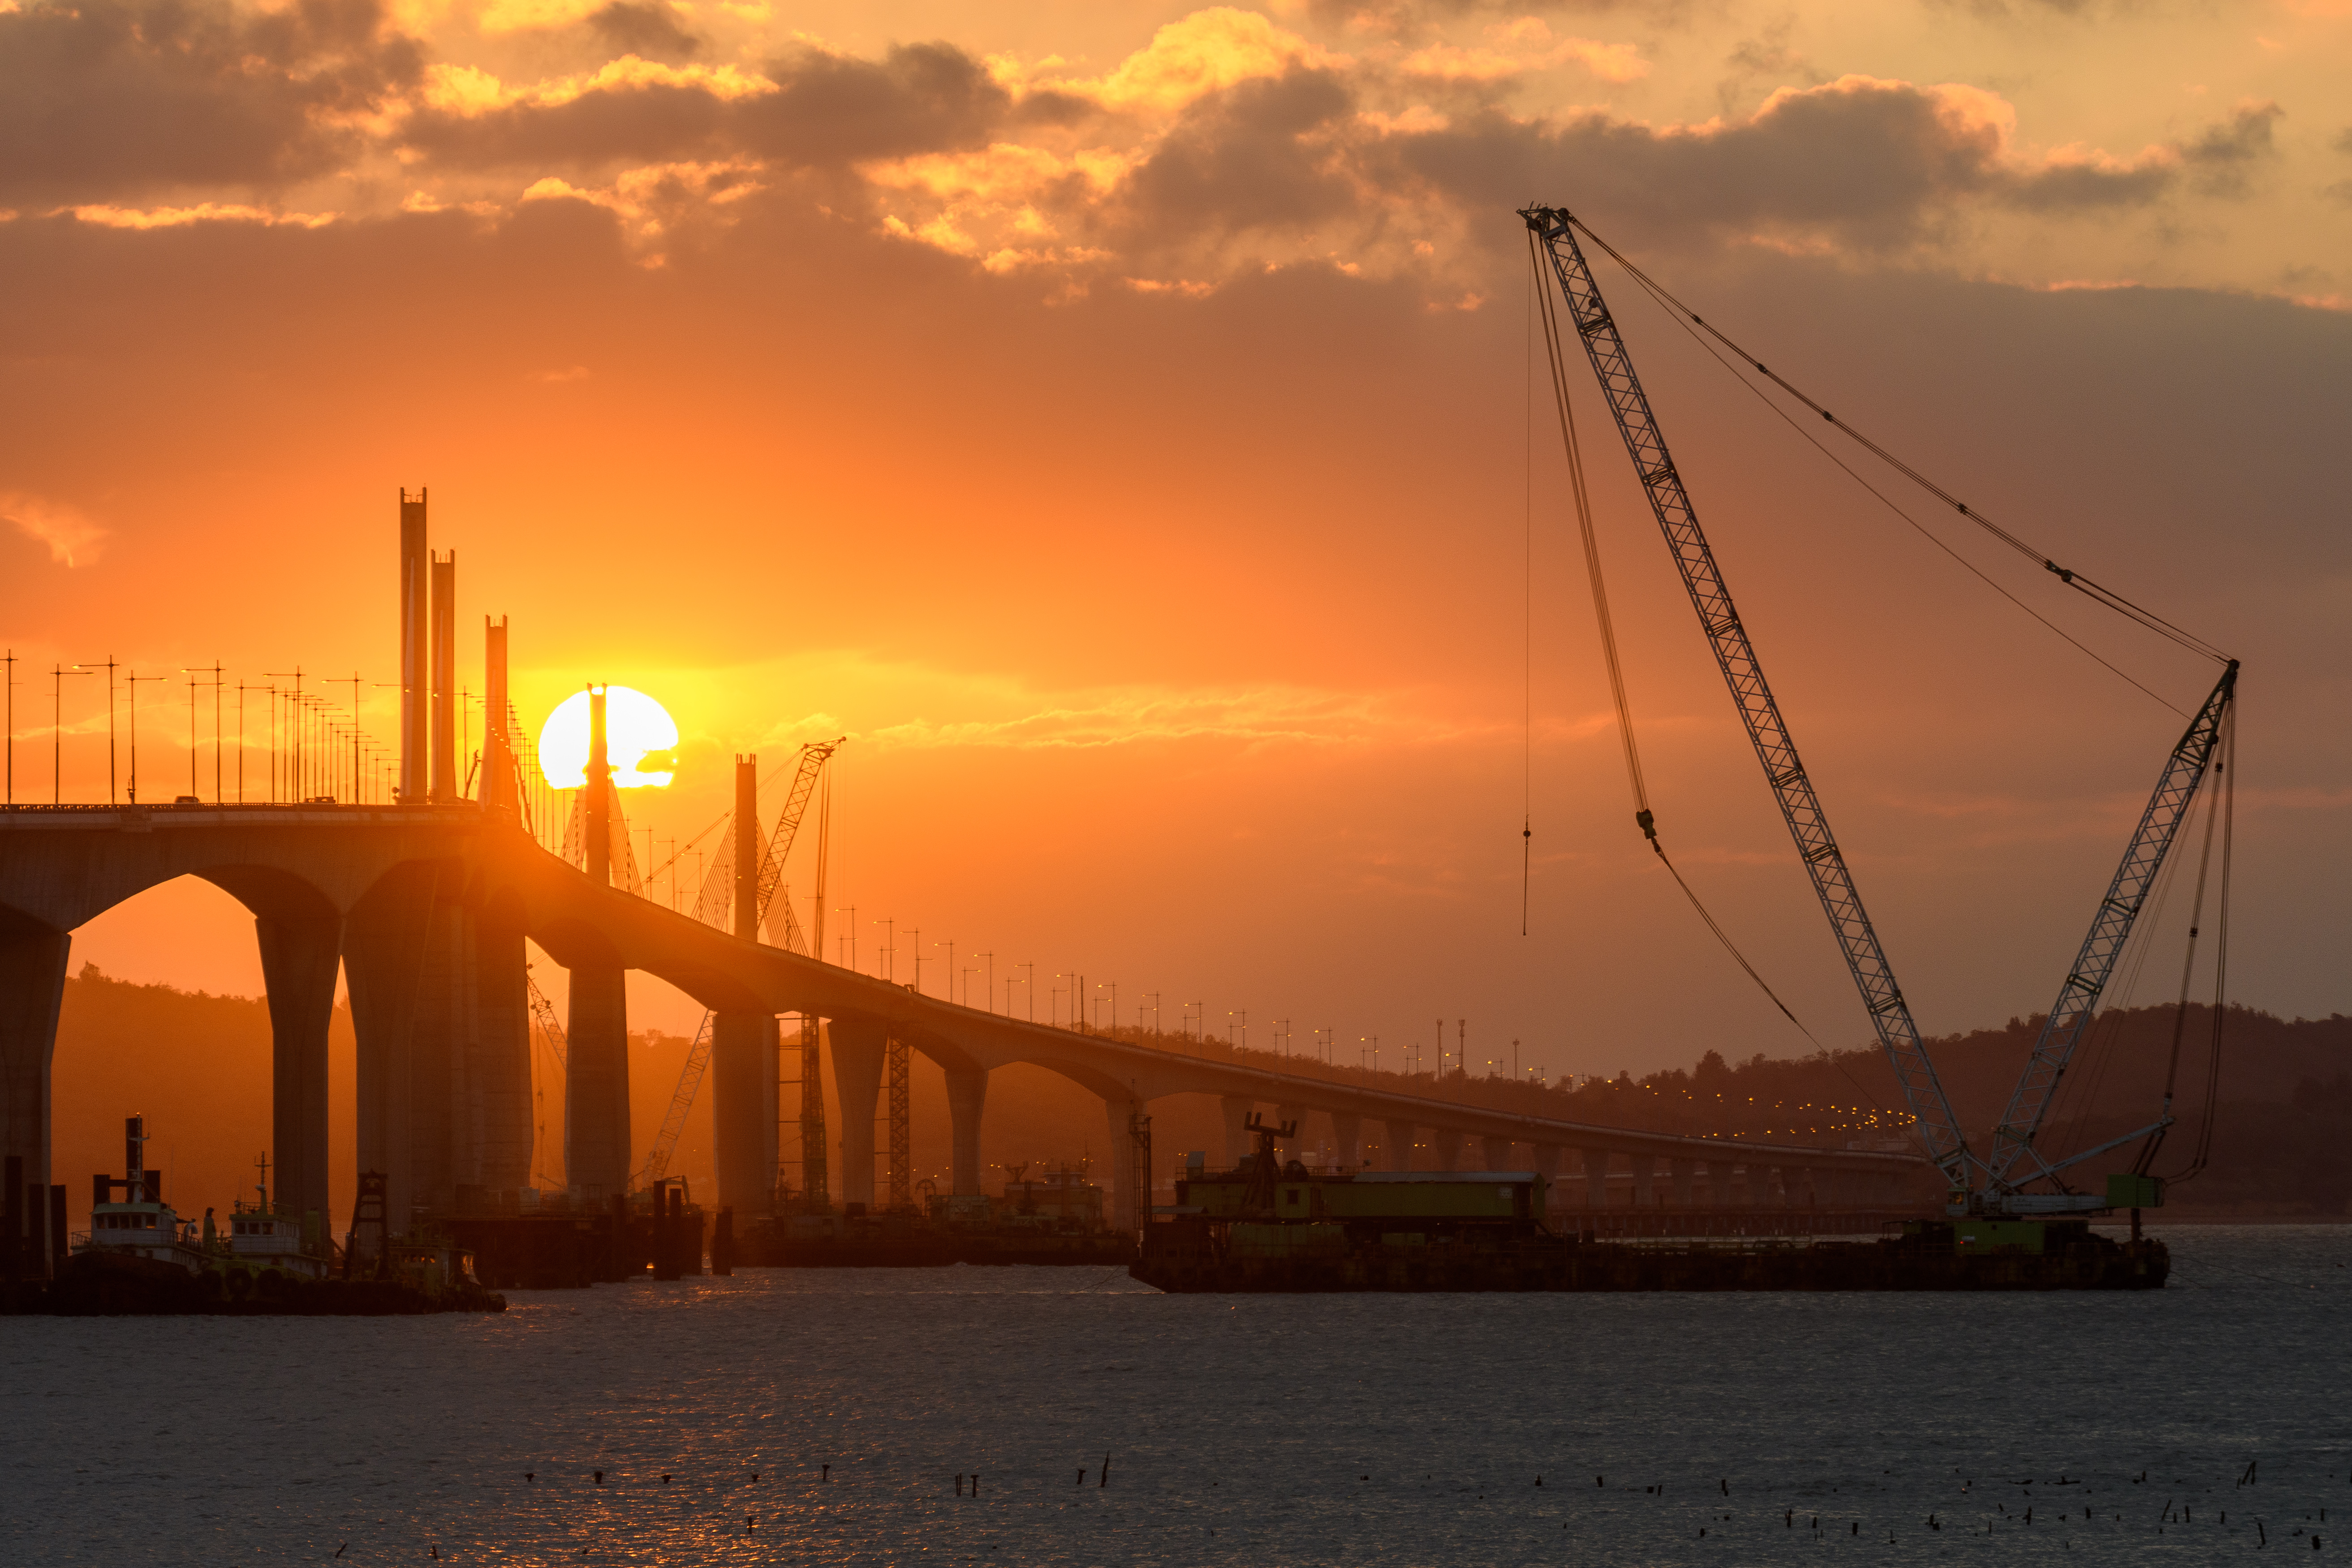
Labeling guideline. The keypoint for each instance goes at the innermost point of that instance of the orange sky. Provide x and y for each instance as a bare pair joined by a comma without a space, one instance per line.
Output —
1116,420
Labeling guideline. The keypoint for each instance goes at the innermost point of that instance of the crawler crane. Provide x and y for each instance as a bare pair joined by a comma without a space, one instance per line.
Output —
1980,1185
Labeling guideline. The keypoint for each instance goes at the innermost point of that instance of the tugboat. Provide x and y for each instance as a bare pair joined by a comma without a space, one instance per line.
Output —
267,1244
140,1257
141,1228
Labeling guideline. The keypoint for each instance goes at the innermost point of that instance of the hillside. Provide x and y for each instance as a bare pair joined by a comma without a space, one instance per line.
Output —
198,1065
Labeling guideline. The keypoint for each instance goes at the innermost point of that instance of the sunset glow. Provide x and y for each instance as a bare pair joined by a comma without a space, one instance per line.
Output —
641,739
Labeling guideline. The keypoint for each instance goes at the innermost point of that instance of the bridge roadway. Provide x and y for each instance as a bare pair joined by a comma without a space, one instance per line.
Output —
426,908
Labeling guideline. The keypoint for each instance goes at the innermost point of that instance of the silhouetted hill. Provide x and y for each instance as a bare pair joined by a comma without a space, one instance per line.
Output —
197,1065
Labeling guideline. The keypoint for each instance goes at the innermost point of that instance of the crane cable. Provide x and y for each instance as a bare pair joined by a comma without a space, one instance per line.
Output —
2226,807
1644,816
2094,591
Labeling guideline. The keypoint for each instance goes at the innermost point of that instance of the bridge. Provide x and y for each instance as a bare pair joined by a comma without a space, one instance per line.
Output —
425,905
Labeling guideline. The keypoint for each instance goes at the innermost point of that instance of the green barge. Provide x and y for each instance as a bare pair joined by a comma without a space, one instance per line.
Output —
1268,1229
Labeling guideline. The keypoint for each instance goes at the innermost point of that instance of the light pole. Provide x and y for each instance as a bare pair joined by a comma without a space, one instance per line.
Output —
852,912
1028,986
57,673
1112,986
950,946
1282,1033
989,995
110,667
889,954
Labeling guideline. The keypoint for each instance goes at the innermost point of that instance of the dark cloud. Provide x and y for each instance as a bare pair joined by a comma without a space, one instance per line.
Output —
1873,164
829,110
644,28
1248,158
833,108
107,100
648,123
2225,153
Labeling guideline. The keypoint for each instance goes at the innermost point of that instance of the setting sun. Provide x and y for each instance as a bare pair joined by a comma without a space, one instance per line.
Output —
640,732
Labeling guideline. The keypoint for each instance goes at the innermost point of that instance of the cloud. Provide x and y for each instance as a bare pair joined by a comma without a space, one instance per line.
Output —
107,214
2225,152
1204,53
73,539
641,27
1520,47
813,108
1225,145
106,100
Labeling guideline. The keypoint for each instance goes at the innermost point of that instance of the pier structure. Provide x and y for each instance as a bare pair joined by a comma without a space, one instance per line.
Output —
424,905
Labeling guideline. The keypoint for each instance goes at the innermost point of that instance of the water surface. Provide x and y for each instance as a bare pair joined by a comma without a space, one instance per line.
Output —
1261,1430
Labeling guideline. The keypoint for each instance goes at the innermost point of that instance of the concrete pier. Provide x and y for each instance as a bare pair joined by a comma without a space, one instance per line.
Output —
1596,1178
1645,1187
300,960
859,1045
966,1098
1681,1172
32,989
1347,1140
1290,1114
1496,1153
497,1118
744,1047
1236,1110
596,1142
1399,1150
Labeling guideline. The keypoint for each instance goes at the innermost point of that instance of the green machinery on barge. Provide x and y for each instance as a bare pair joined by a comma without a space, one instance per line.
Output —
1266,1228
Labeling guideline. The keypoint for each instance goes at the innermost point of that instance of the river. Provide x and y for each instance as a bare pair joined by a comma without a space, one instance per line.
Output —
833,1416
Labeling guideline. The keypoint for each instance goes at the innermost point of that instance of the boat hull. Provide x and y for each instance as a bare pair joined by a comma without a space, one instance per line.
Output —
1196,1263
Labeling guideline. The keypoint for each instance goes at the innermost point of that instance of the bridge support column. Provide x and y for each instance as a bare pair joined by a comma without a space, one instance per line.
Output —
32,989
967,1092
300,961
1682,1171
1235,1109
1449,1148
498,1070
597,1143
1347,1139
743,1109
1400,1146
858,1047
1645,1187
387,946
1496,1152
1596,1178
1295,1115
1118,1192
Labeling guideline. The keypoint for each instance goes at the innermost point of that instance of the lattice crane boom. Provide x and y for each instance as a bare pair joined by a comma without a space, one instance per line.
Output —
1743,672
814,754
2078,998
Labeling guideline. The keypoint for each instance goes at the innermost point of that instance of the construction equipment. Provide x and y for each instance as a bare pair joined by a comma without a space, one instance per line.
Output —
1978,1185
814,755
812,758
